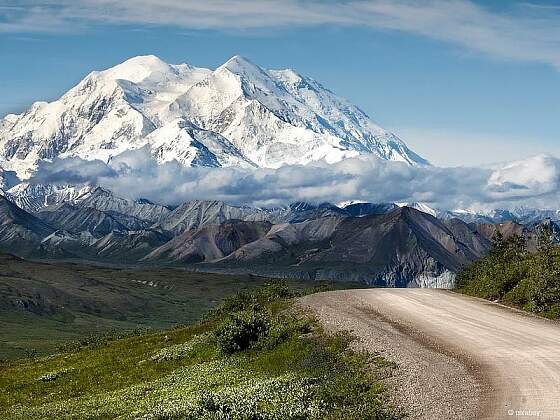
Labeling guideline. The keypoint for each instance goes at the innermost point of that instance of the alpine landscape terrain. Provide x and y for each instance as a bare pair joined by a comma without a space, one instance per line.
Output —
239,242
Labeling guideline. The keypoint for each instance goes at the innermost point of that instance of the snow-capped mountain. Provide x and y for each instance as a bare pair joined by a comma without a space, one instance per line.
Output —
36,197
423,207
236,115
33,197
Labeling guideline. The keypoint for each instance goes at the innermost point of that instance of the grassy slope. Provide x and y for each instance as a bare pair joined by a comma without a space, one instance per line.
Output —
43,306
291,370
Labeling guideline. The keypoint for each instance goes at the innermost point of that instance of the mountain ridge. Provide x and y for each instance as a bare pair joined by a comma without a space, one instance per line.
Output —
384,244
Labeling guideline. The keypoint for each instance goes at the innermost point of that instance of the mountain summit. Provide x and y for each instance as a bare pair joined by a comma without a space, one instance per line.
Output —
237,115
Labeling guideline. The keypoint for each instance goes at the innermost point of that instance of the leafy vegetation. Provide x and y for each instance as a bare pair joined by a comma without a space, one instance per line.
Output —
255,357
515,276
240,331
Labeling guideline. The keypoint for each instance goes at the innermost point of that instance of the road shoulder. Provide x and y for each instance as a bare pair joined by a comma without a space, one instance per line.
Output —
430,383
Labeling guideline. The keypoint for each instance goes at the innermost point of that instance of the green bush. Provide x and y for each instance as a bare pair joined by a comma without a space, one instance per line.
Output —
519,295
513,275
284,328
254,300
552,311
240,331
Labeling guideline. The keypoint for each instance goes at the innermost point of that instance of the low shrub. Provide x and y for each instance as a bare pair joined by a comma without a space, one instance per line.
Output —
552,311
283,328
241,330
254,300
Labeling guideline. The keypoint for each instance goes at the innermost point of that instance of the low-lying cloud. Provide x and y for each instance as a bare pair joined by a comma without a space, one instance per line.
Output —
136,174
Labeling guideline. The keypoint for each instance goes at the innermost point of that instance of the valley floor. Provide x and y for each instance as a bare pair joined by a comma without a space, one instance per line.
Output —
45,306
458,356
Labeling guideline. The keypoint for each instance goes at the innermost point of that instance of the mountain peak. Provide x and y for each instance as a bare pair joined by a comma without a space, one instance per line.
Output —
423,207
239,60
243,67
138,68
144,60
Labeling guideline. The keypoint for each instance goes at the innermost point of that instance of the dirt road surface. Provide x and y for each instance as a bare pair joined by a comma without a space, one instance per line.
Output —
458,357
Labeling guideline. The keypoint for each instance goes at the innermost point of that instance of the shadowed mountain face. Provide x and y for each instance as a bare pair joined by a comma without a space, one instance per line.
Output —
402,248
365,209
376,244
20,231
475,237
210,242
79,219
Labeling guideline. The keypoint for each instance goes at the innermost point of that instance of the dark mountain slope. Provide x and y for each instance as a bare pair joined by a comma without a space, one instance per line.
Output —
128,246
210,242
301,211
20,232
469,235
402,248
81,219
366,209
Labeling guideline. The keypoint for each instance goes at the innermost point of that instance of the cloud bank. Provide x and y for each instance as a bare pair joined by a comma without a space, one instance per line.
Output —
136,174
520,31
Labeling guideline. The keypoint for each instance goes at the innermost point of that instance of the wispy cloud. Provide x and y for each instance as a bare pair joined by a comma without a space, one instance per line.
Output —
523,31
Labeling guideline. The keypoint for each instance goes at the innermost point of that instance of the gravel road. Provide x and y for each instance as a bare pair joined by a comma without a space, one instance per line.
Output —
459,357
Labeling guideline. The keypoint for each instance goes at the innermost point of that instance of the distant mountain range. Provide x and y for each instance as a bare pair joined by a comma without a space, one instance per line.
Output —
237,115
384,244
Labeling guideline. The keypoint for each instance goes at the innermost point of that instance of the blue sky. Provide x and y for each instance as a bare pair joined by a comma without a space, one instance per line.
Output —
461,82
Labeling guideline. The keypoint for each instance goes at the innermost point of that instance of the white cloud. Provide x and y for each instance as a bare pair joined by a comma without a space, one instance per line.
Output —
537,175
135,174
522,32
